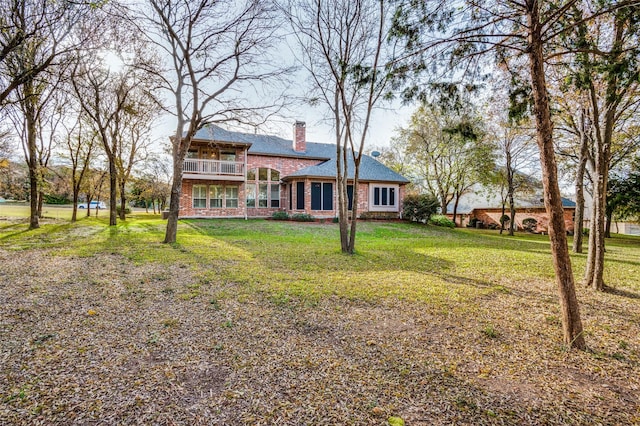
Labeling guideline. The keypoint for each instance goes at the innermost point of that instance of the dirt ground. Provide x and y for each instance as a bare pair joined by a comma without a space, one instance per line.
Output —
100,340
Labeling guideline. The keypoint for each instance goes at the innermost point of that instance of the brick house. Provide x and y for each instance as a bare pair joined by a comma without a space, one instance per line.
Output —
488,211
242,175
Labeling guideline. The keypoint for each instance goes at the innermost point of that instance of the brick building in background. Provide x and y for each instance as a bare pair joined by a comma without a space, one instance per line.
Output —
243,175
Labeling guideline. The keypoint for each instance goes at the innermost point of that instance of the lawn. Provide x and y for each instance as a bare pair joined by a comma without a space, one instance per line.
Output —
265,322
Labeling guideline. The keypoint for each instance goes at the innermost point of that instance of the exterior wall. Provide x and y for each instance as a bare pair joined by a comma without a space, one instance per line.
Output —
488,216
285,166
186,200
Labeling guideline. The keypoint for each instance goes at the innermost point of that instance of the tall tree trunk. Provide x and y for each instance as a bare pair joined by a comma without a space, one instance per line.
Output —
512,211
40,197
607,226
34,174
354,220
571,322
74,213
113,191
174,203
455,209
123,200
578,222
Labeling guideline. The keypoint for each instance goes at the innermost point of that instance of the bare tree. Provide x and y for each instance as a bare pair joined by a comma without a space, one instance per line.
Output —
220,65
345,51
134,139
43,30
36,41
80,145
515,141
118,106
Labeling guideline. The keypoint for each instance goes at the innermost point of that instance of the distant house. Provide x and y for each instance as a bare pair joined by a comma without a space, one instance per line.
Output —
242,175
488,210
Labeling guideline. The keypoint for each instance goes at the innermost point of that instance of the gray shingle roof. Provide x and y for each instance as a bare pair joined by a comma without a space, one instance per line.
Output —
266,144
370,169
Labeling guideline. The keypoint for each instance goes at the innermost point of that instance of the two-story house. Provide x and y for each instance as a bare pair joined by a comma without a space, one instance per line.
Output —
243,175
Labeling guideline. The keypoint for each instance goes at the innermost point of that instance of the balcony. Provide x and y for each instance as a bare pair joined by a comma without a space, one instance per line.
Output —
195,168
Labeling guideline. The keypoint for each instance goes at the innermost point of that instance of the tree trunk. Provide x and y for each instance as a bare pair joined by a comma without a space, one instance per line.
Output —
32,161
512,211
74,213
578,221
123,200
174,203
607,226
40,198
354,219
571,322
113,191
455,209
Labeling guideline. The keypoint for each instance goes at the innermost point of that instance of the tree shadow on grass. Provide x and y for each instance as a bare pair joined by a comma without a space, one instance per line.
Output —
622,293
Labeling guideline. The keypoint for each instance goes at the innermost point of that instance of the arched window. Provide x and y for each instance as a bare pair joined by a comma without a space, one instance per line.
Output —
263,188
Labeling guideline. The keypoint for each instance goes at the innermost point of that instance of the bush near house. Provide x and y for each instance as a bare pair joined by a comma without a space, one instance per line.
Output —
302,217
441,220
419,208
280,216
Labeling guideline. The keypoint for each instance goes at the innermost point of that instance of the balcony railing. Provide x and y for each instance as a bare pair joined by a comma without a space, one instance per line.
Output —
213,168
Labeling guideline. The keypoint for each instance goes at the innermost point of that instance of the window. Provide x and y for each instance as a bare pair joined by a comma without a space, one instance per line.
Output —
231,196
263,185
262,195
215,196
350,196
275,195
228,155
321,196
299,195
251,194
383,198
199,196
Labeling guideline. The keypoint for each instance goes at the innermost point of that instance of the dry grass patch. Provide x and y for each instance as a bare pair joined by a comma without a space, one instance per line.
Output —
267,323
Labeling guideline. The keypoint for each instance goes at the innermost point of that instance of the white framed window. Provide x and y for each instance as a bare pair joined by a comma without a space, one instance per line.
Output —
263,188
215,196
231,196
383,198
199,196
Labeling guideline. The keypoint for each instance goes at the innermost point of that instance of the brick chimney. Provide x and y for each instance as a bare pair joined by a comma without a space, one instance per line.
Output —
300,136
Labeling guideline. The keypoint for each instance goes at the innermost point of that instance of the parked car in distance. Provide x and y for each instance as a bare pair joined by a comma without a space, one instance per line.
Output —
93,205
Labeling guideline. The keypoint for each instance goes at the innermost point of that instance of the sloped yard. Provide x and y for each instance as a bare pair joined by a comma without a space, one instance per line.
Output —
261,322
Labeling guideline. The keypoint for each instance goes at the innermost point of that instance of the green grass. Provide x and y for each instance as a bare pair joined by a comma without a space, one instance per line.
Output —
299,261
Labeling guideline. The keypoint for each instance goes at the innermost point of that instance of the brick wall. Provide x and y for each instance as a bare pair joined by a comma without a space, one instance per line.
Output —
539,214
285,166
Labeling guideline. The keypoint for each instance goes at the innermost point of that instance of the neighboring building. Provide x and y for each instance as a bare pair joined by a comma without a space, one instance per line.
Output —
488,210
241,175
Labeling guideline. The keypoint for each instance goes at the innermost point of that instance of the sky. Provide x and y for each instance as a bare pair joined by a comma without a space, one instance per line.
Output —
385,121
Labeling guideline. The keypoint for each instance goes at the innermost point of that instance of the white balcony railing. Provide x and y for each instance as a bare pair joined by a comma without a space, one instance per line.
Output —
212,168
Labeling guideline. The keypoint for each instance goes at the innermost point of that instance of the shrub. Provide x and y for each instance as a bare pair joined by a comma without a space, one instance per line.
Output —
472,222
504,219
56,199
529,224
302,217
127,210
280,216
419,208
441,220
